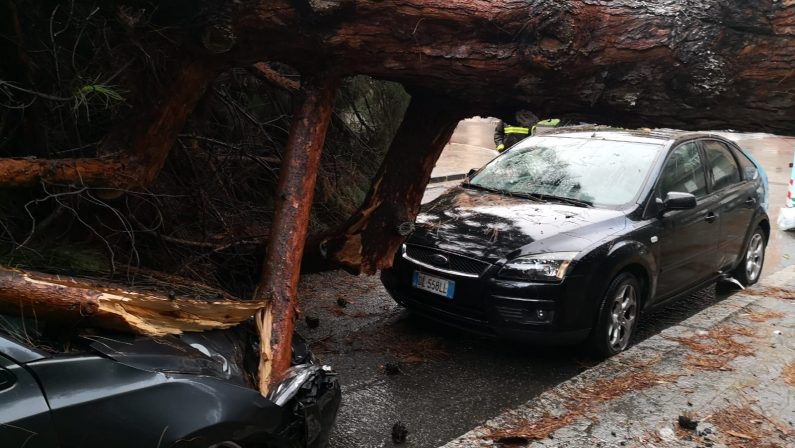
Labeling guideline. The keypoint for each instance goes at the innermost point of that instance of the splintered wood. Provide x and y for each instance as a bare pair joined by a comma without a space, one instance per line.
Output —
46,296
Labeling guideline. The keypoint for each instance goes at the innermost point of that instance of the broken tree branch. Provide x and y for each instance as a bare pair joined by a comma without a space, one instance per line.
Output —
293,202
81,301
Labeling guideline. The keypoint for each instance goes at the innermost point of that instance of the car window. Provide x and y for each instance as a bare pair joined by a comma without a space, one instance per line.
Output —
747,166
721,164
684,172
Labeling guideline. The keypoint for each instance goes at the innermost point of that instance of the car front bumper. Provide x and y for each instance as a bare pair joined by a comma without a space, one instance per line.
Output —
537,312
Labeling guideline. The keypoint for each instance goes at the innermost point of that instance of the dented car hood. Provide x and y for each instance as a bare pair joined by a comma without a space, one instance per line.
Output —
219,354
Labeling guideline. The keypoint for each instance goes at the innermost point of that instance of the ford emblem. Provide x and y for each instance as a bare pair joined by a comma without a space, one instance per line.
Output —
439,260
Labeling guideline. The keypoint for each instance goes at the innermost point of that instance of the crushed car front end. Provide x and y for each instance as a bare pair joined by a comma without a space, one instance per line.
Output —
192,390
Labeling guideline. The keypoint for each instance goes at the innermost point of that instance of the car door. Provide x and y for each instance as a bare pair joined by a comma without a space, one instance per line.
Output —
737,200
689,238
24,414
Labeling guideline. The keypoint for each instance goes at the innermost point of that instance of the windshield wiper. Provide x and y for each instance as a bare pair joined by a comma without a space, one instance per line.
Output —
565,200
480,187
514,194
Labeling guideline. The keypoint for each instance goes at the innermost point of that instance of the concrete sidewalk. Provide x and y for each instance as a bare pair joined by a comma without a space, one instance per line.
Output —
723,378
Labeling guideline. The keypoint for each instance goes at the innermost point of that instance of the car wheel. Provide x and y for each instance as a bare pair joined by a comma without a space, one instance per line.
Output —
750,268
618,316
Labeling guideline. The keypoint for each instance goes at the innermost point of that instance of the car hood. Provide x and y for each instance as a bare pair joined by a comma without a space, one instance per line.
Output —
492,226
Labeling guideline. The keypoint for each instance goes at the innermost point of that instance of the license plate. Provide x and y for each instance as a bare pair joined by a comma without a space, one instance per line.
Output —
436,285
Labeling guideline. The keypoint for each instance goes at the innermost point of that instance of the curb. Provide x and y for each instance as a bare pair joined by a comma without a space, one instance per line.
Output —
448,178
657,347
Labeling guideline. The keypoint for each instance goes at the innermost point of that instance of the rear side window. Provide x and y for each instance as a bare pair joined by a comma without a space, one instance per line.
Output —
721,165
747,167
684,172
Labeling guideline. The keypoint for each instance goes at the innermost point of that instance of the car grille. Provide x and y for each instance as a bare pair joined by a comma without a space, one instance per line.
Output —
457,264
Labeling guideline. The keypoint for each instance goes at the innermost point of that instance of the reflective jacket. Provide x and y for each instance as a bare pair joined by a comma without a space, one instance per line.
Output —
506,136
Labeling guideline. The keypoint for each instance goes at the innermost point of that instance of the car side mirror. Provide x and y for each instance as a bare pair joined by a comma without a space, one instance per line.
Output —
678,201
750,173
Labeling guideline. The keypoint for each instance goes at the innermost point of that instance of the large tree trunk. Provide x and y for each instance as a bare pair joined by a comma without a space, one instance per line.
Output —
78,301
294,193
371,237
691,64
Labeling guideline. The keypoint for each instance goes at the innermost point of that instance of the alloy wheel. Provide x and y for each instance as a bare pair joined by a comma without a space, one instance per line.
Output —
623,312
754,257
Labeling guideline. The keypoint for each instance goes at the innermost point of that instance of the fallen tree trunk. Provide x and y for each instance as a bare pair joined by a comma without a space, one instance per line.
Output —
370,238
66,299
294,193
690,64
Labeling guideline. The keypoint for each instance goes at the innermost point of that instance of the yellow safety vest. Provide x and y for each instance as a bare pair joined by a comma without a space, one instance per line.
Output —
516,130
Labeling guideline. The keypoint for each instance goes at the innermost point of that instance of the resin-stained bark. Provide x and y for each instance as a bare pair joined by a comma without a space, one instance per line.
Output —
294,193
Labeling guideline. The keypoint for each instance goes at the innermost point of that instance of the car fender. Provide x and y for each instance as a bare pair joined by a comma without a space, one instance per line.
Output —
621,255
761,216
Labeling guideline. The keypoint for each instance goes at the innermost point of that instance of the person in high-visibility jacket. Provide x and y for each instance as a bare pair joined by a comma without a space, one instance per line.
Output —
506,135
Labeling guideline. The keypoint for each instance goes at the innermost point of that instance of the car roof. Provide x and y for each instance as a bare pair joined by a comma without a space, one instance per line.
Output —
648,136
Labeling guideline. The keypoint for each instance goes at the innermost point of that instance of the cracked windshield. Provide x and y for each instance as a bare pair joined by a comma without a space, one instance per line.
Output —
585,171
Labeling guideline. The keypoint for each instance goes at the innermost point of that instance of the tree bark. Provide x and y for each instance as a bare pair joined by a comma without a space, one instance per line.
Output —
66,299
108,172
138,147
370,238
690,64
294,193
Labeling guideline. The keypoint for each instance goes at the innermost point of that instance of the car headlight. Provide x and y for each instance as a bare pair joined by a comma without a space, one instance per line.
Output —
549,267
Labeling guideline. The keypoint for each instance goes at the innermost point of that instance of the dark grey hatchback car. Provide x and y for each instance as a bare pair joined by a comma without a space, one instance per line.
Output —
571,236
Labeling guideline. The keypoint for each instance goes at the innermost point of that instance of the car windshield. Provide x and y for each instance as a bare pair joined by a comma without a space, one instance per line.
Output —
584,171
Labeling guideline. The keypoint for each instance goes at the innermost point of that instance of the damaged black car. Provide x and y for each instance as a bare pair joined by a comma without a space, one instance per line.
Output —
192,390
569,237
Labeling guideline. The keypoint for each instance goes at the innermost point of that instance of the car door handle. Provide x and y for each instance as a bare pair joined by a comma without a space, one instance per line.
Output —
711,217
750,202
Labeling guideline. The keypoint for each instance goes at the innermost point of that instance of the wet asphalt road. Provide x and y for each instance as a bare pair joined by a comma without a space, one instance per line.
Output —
449,380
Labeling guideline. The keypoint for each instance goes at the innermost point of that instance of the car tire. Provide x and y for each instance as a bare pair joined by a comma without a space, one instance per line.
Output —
750,268
618,316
